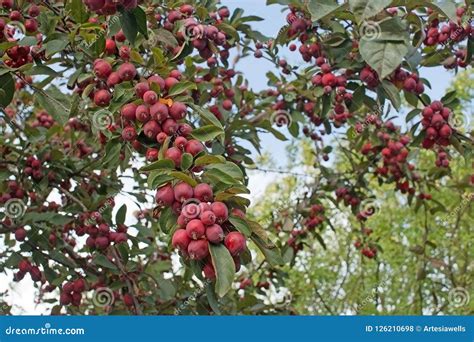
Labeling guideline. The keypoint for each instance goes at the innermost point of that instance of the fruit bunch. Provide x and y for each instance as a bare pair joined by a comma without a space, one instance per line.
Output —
201,221
109,7
71,292
436,124
205,37
13,190
25,266
15,25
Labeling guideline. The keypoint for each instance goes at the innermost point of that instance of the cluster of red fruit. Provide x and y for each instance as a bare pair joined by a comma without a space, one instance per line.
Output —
33,168
449,33
327,79
160,119
298,24
100,235
25,266
204,37
410,82
71,292
107,78
393,149
369,77
349,197
201,221
13,191
437,129
43,119
19,55
367,248
109,7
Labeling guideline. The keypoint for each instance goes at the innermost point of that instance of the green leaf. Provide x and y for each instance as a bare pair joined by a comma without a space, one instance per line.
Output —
186,161
165,37
7,89
209,159
121,214
272,255
129,26
181,87
184,177
140,17
102,260
224,267
228,168
412,114
55,103
54,46
42,70
160,164
207,133
385,52
167,220
207,116
77,11
241,225
446,7
321,8
393,93
363,9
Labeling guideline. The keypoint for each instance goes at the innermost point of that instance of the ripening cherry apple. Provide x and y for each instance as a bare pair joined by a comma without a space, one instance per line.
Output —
235,243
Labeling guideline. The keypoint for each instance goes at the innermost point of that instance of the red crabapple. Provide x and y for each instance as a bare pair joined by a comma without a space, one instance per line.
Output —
195,229
198,249
235,243
220,210
180,240
215,233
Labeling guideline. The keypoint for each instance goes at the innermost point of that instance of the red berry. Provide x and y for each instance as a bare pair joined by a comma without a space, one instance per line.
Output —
102,68
128,299
20,234
102,98
207,217
180,240
195,229
177,111
127,71
182,192
215,233
209,272
150,97
194,147
221,211
235,243
129,133
174,154
198,249
165,195
203,192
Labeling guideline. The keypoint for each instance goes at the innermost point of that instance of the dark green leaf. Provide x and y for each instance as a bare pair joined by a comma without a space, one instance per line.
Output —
224,267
